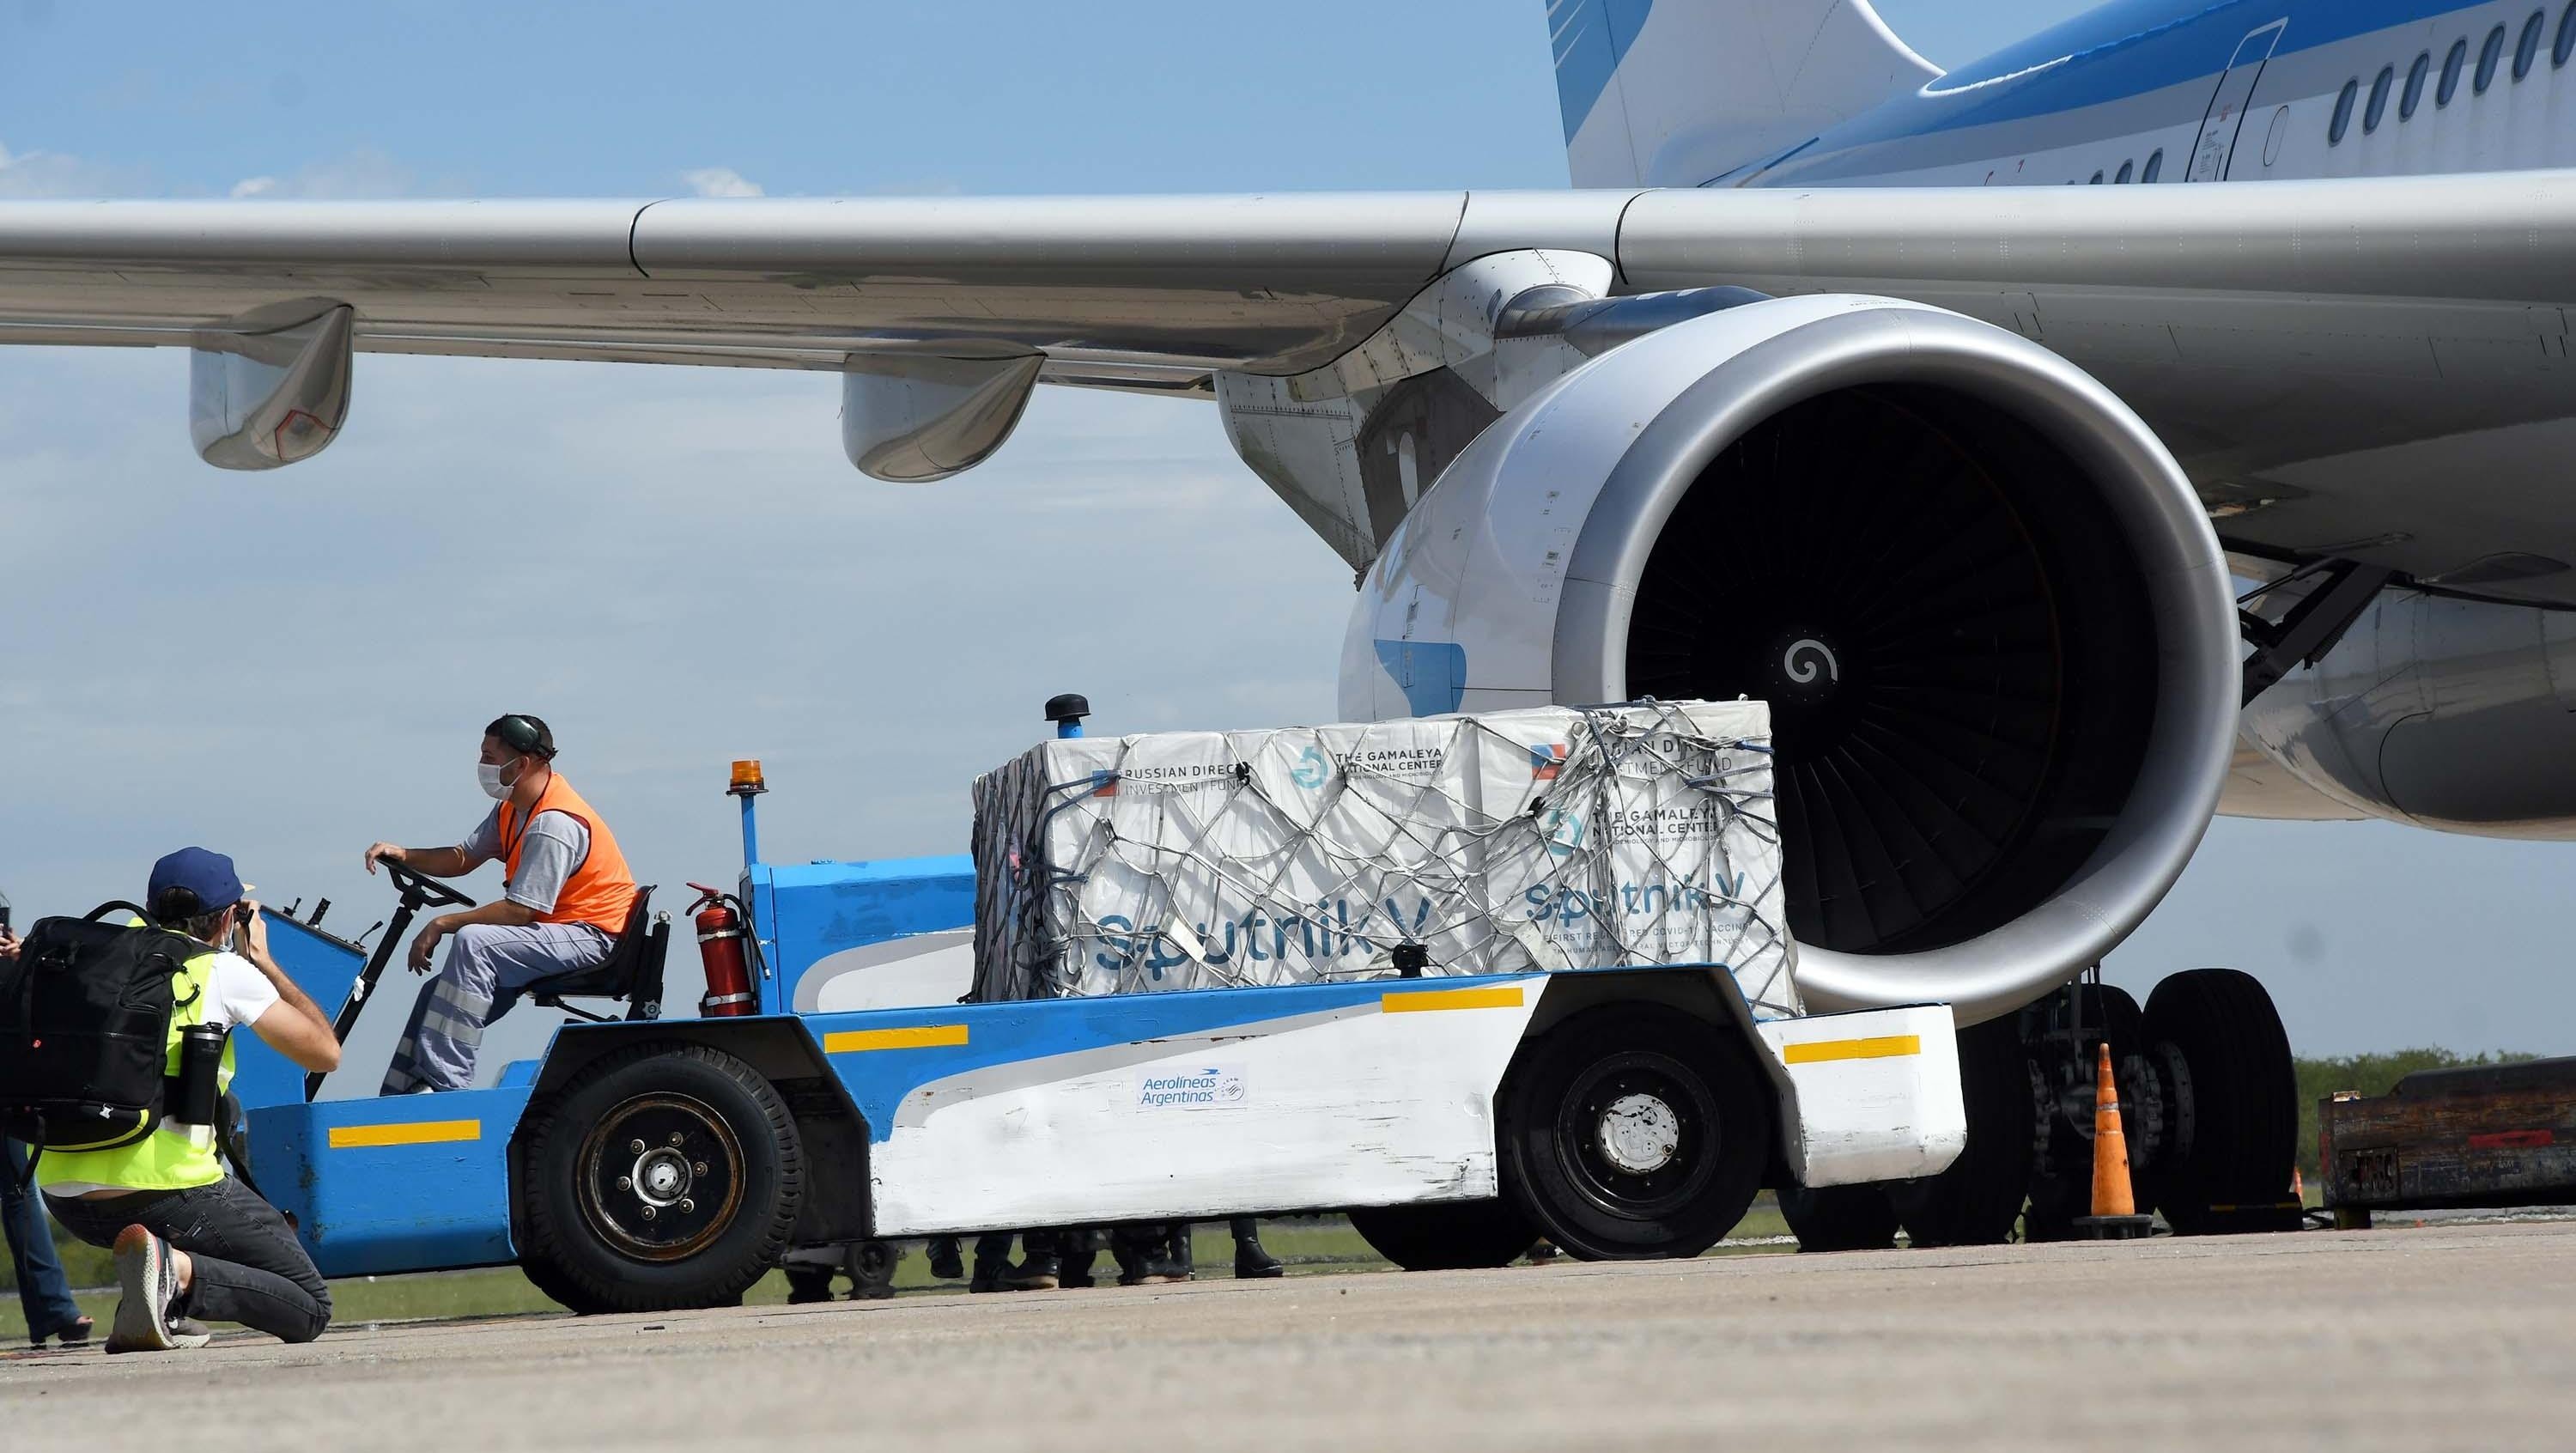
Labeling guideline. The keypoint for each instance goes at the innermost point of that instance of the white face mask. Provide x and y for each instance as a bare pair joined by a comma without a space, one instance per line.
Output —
490,776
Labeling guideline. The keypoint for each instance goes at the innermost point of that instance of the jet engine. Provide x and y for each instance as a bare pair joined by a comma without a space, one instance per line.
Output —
1991,619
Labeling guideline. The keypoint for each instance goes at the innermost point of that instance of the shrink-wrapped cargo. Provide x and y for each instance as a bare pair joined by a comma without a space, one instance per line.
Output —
1502,842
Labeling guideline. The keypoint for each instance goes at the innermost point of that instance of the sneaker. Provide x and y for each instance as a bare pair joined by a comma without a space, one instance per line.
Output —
945,1262
147,1280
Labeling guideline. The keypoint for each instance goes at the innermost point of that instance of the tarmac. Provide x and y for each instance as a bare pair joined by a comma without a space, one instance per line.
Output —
2446,1336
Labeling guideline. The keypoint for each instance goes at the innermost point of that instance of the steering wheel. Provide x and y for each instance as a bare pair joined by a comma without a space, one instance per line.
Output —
421,890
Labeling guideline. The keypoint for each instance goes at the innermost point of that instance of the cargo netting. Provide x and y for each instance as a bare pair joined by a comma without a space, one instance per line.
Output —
1503,842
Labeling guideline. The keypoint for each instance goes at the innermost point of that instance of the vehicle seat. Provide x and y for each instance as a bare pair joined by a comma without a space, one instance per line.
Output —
632,971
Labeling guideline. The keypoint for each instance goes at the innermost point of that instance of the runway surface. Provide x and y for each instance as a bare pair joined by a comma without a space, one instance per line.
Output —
2441,1337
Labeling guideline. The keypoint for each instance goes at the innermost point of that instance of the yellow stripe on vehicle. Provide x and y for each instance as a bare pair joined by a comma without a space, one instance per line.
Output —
1415,1001
918,1036
415,1132
1885,1046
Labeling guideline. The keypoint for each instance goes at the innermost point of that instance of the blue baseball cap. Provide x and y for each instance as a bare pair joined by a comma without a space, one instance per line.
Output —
209,875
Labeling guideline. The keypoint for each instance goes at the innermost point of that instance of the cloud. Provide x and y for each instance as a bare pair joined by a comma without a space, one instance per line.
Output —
26,174
720,181
364,173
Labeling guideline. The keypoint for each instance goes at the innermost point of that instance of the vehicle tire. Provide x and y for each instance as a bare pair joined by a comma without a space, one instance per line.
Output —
1634,1130
1840,1218
1446,1235
663,1177
1978,1200
2237,1115
546,1277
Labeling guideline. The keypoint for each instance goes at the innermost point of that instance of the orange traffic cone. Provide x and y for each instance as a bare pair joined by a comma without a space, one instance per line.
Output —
2115,1211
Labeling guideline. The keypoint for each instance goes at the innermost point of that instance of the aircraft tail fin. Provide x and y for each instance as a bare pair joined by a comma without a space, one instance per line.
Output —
1678,92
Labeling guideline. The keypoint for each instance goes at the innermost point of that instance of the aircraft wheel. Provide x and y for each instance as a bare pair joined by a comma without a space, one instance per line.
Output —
2056,1199
1840,1218
1633,1130
1979,1198
2236,1110
1447,1235
664,1177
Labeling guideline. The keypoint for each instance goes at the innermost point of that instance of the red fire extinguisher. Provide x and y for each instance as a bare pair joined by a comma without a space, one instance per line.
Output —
720,948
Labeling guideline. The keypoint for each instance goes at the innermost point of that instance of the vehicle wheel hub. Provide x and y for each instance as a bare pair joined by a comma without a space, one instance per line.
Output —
660,1177
1639,1133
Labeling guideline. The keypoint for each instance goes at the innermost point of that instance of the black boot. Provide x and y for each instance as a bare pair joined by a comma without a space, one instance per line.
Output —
1250,1261
808,1284
1145,1256
945,1263
1041,1263
1081,1248
992,1261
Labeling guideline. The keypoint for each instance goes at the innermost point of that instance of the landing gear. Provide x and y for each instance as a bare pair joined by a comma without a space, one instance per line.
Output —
2063,1034
2232,1105
2208,1104
1976,1201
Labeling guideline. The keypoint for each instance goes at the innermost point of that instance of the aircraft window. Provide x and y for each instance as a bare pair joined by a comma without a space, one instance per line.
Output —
2414,95
2565,46
2127,169
2488,55
2378,106
2342,113
2156,162
2527,49
2451,65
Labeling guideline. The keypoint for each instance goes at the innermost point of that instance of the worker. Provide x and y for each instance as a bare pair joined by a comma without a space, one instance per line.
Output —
192,1243
564,904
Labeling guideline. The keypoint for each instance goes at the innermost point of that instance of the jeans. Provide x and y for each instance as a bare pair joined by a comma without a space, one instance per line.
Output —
42,1292
249,1267
487,967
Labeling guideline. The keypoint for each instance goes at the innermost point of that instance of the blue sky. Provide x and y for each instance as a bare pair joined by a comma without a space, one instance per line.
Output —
676,567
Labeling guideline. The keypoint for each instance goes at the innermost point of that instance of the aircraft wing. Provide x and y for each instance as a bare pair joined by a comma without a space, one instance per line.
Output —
1165,289
2289,340
1144,291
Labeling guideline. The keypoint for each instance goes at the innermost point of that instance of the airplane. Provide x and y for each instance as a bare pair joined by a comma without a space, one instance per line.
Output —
2159,417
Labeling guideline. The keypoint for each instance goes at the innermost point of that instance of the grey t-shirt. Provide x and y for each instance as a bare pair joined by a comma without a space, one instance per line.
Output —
556,845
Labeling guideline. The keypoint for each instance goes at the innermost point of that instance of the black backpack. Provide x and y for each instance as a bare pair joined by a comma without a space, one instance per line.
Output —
85,1031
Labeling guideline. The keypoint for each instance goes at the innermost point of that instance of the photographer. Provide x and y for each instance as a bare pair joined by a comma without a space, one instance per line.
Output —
191,1241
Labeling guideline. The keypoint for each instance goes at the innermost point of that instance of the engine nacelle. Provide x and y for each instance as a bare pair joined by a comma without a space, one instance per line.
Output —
2452,714
1993,624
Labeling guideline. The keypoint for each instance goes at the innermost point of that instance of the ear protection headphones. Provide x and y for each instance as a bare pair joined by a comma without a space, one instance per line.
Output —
525,735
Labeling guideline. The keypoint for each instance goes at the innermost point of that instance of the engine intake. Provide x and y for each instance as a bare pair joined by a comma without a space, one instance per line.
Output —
1994,626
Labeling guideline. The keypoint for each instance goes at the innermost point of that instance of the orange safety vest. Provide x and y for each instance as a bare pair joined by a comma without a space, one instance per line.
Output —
600,892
